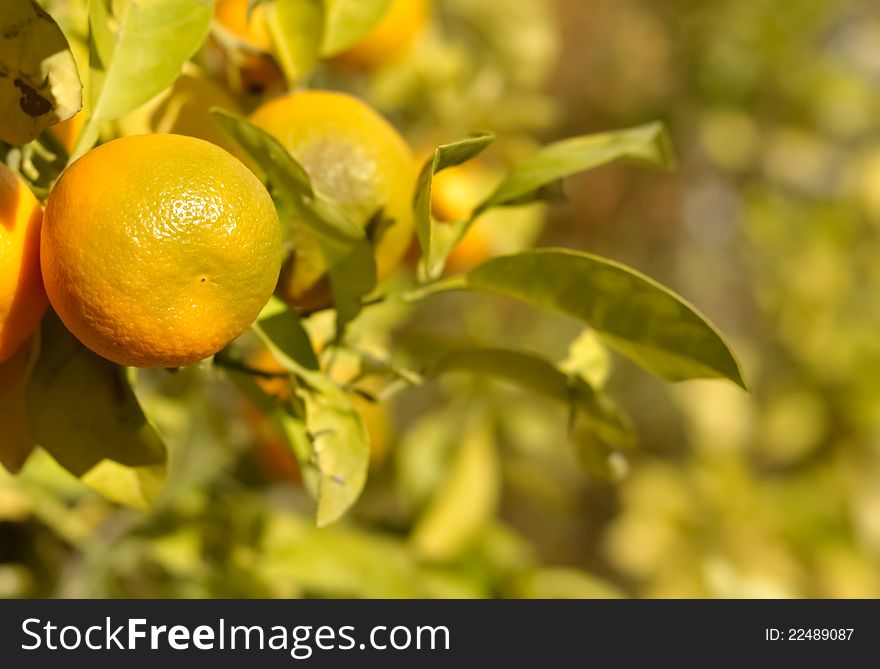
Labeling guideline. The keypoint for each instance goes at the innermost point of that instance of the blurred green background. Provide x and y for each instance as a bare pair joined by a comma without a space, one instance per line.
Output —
770,225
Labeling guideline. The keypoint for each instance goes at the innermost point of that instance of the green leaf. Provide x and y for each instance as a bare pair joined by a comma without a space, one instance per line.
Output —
597,457
536,374
290,427
437,239
340,448
530,180
467,499
17,441
40,85
347,22
283,331
84,413
637,316
151,40
348,255
342,452
296,35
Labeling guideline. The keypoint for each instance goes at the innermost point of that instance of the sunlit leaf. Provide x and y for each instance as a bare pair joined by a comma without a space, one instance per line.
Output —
17,440
466,501
529,181
637,316
39,82
437,239
347,22
151,41
282,329
342,453
536,374
348,255
296,31
588,357
84,413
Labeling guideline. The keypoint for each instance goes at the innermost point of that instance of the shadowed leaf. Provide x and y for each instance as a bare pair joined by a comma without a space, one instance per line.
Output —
39,82
84,413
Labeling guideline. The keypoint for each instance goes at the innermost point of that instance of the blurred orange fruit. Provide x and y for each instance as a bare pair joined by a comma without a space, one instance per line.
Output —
455,192
22,297
250,28
158,250
392,38
353,156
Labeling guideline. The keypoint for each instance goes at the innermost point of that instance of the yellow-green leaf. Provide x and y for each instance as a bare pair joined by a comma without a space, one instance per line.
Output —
466,501
536,374
342,453
296,29
530,180
437,240
140,49
347,22
637,316
39,83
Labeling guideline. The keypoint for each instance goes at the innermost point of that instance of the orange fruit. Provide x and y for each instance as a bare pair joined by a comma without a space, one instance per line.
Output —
353,156
67,132
392,38
158,250
250,29
184,109
455,192
22,298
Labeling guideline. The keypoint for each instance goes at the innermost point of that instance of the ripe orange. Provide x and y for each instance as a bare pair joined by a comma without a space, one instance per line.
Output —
258,70
353,156
22,298
157,250
455,192
392,38
250,29
184,109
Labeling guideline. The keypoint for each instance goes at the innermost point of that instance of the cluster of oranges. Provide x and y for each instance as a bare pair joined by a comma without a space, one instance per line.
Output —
156,250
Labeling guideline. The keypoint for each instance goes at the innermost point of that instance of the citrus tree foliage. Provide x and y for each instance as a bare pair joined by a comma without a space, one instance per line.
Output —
85,412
